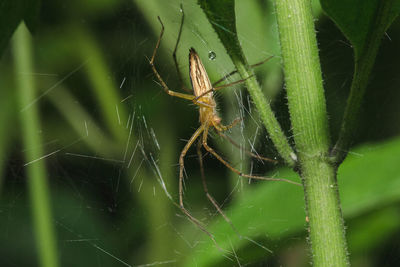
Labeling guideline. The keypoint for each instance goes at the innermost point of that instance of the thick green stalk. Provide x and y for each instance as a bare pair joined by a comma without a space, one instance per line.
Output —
30,129
310,129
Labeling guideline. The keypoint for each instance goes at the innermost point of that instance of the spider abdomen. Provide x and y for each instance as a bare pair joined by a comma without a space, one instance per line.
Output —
198,76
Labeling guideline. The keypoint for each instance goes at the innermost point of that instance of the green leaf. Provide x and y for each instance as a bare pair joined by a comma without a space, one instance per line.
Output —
224,23
363,23
371,231
12,13
274,209
368,180
357,19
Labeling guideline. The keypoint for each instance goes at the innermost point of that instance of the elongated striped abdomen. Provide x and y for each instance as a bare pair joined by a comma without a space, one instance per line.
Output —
198,75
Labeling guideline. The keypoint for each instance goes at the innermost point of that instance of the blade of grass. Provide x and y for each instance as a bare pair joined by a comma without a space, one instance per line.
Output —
12,13
30,129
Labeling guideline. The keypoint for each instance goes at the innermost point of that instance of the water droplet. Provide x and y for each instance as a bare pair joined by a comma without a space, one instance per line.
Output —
211,55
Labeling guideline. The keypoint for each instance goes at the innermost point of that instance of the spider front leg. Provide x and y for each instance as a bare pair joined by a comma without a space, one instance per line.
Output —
159,78
215,88
175,50
162,82
235,71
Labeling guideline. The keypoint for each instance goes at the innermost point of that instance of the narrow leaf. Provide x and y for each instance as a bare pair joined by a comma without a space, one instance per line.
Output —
12,13
358,18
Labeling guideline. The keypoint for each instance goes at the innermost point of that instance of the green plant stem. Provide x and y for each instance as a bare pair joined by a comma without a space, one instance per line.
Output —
310,129
365,60
30,129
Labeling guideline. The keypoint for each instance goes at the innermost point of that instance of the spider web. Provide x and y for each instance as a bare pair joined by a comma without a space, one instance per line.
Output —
111,156
113,167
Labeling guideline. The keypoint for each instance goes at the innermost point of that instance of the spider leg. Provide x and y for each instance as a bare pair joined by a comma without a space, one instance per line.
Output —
232,83
215,88
220,133
220,87
235,71
181,167
162,82
217,156
176,48
159,78
221,127
209,196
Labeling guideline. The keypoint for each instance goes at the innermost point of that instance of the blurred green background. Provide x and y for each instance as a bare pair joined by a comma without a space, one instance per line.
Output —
111,138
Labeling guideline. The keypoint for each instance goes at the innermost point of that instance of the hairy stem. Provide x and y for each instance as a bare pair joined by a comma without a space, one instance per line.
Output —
310,129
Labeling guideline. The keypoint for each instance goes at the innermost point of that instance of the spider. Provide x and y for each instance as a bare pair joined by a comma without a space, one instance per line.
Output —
203,97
